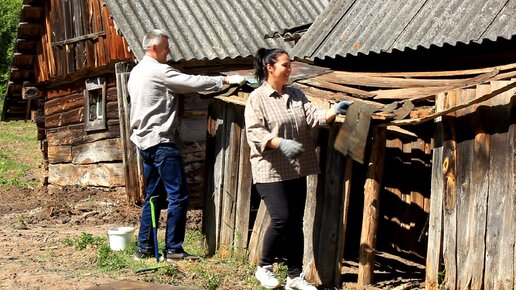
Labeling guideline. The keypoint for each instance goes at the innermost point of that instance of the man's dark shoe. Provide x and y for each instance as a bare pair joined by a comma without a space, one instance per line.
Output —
179,255
141,255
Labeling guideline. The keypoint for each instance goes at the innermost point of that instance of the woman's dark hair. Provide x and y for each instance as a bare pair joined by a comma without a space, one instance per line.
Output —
263,57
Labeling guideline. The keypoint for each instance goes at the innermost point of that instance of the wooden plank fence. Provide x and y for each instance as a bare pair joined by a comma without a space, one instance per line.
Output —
473,213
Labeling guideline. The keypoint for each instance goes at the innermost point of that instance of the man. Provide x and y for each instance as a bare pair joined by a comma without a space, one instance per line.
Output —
154,87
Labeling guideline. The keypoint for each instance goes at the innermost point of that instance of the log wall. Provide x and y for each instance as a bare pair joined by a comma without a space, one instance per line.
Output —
77,157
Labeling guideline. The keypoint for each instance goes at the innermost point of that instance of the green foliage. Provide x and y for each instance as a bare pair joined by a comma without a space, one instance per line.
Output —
108,260
9,19
11,172
15,167
233,272
84,240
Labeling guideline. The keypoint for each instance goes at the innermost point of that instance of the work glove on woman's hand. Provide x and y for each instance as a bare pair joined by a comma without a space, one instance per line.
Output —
342,107
291,148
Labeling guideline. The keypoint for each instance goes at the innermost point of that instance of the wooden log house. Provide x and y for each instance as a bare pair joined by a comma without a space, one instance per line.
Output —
66,54
425,183
67,50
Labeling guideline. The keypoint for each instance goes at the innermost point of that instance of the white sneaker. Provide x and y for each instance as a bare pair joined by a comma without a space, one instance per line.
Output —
298,283
267,277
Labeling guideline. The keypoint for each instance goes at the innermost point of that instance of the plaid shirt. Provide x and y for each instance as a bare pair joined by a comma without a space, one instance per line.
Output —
291,116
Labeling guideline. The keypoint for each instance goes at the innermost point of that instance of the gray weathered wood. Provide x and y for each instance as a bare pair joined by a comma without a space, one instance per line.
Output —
261,224
74,134
99,174
449,169
229,190
109,150
436,207
213,207
133,170
500,236
473,165
243,206
310,268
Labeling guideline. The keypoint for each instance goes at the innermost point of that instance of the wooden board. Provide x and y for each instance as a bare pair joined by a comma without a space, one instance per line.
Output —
133,168
309,262
327,231
100,174
435,230
501,217
109,150
243,205
449,169
230,181
216,144
261,224
473,168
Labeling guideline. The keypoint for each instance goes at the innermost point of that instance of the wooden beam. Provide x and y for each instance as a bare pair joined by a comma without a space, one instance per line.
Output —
323,83
455,108
441,73
371,207
90,36
425,92
359,79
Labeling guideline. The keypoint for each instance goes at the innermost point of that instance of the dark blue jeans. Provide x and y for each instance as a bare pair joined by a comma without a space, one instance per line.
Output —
164,175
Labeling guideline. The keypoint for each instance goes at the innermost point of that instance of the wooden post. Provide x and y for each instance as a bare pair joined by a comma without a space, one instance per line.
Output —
232,135
435,233
215,162
348,175
371,207
133,170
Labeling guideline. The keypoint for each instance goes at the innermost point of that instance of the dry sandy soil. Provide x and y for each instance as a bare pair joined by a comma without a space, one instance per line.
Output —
34,225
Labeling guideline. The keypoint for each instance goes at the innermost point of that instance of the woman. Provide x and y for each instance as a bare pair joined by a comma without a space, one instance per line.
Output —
278,119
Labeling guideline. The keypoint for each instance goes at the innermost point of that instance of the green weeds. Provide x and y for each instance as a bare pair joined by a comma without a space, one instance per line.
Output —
14,167
207,273
84,240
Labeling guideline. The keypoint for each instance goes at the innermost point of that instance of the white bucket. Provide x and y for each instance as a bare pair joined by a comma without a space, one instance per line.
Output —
120,237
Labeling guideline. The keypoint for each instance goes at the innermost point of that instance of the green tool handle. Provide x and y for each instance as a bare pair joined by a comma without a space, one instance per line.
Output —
149,269
153,215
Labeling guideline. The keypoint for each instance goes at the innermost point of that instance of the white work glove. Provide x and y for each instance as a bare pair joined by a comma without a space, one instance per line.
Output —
235,80
291,148
342,107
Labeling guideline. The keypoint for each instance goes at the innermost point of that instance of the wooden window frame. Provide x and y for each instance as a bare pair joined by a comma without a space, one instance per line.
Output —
95,92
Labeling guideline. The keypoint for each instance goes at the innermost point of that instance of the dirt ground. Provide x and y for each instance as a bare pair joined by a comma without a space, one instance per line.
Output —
34,225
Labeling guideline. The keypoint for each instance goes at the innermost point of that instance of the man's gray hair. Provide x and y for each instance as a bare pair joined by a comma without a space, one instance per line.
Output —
153,37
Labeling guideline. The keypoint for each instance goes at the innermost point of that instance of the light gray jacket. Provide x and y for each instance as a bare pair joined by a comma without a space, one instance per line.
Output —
153,89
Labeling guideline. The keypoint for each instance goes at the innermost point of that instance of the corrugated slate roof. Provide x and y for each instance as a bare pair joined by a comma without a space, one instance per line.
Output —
204,29
353,27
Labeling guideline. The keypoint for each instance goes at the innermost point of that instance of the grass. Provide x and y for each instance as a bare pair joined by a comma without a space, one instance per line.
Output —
15,167
233,272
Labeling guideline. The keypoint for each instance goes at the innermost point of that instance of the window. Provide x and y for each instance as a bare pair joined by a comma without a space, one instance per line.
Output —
95,104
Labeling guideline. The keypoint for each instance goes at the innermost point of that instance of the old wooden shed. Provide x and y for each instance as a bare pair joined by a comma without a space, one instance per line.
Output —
66,78
419,194
437,185
472,200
